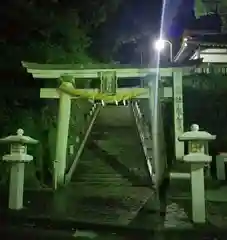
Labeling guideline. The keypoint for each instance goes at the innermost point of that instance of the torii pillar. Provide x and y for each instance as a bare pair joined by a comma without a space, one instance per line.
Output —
178,111
64,113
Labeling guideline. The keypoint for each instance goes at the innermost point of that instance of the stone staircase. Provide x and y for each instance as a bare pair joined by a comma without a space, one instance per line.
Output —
110,187
112,175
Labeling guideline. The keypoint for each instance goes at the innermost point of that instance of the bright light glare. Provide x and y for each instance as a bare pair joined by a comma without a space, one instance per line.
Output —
159,44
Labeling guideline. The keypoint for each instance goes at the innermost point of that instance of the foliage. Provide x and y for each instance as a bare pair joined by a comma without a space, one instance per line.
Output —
204,97
205,103
43,39
127,30
45,31
210,82
57,31
203,8
29,120
51,31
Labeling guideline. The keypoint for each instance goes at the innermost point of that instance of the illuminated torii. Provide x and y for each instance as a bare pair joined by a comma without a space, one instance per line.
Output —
108,92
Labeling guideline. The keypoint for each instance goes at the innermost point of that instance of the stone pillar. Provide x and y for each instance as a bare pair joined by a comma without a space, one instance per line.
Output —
17,158
197,158
178,112
220,166
64,113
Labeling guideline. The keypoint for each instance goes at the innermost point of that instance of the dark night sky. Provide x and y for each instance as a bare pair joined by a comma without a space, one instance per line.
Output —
177,16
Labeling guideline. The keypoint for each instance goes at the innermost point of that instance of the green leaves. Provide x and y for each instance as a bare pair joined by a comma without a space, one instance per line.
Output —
207,82
51,32
203,8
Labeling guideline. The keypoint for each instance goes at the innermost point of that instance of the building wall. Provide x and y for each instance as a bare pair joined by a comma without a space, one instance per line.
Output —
212,55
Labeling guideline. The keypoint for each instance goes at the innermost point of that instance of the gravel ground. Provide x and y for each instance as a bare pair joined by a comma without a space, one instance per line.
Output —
178,222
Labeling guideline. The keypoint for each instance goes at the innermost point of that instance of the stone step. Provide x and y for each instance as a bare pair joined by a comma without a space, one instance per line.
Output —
96,176
123,191
99,180
100,185
110,176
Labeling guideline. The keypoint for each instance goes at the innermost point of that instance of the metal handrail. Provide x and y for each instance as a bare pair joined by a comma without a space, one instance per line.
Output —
157,164
69,174
141,126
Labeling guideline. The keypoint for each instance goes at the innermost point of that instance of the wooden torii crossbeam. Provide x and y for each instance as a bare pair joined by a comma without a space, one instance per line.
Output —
49,71
53,71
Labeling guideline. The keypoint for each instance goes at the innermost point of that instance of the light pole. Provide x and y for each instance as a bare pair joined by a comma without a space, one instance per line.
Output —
154,103
160,45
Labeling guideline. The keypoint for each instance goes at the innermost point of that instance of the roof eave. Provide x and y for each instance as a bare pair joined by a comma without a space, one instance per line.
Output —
178,55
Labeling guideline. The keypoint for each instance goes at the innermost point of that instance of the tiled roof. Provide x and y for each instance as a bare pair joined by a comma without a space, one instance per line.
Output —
192,42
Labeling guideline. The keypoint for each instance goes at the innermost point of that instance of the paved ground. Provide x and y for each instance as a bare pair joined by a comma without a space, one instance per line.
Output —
179,204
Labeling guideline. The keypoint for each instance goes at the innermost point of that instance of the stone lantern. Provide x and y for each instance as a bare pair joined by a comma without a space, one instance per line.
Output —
197,157
17,158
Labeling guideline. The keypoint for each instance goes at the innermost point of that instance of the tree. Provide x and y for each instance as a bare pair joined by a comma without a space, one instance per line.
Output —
51,31
42,35
46,32
203,8
128,28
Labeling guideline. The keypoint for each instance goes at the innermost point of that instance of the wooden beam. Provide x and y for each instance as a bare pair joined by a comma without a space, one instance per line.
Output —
55,93
32,65
94,73
88,71
120,73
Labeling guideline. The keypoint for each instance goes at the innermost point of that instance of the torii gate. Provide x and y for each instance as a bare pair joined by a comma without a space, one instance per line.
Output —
108,91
